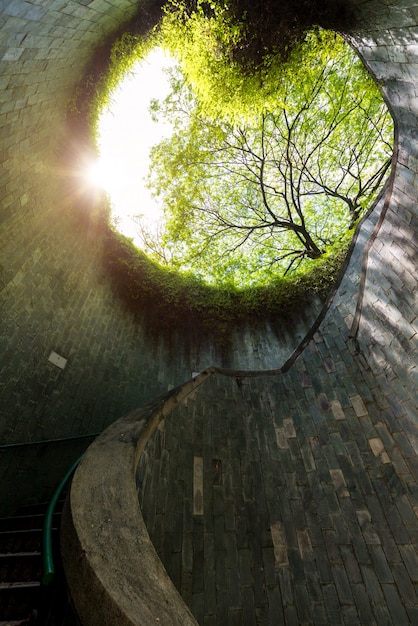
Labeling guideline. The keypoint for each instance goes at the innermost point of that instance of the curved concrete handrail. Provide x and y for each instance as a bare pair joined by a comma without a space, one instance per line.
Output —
113,571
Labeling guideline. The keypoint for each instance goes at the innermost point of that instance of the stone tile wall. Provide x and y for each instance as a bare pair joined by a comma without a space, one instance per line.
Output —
315,520
54,295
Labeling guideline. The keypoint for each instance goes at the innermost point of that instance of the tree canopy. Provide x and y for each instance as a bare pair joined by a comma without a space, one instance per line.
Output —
235,52
255,196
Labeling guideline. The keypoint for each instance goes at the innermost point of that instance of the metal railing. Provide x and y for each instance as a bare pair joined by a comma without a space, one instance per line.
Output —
48,567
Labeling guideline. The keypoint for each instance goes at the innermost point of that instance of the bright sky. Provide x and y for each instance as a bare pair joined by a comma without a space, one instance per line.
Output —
126,134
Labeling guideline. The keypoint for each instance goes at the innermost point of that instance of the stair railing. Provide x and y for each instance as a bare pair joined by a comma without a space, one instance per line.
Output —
48,567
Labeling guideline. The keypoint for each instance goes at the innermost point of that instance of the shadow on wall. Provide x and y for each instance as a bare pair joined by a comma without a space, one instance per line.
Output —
388,325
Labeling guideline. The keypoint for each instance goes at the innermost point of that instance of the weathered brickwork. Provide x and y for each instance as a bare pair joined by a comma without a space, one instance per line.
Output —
53,293
313,518
316,520
308,511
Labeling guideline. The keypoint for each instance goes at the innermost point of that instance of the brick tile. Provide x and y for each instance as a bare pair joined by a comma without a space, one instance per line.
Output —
397,527
198,584
305,545
308,460
374,589
382,568
286,586
323,402
378,449
358,405
320,616
413,466
396,406
313,584
362,600
241,531
337,410
317,416
186,587
412,614
222,609
312,521
338,480
245,568
390,548
233,588
369,533
174,569
275,606
406,511
382,614
338,444
404,444
229,519
331,545
405,585
324,569
303,604
292,488
209,574
332,604
248,608
291,616
220,569
269,565
219,533
235,617
259,588
350,615
350,563
410,558
342,584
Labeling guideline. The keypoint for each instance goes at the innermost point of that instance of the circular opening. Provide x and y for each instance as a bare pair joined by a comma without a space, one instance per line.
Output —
249,189
234,88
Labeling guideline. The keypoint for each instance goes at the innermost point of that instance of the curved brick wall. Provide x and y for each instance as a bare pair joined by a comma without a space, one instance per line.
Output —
54,295
315,520
344,416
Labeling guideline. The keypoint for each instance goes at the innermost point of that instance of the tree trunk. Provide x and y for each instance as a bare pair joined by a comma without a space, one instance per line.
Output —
312,250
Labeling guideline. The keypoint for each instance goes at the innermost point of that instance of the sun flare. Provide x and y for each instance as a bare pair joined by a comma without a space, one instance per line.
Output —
126,133
95,174
105,174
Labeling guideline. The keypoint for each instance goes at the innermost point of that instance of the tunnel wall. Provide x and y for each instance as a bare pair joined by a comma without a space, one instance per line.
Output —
386,321
304,511
55,296
315,517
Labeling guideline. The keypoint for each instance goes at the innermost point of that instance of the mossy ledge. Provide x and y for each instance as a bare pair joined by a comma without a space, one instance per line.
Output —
166,301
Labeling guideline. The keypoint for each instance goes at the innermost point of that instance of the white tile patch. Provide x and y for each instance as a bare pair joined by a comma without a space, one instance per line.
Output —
58,360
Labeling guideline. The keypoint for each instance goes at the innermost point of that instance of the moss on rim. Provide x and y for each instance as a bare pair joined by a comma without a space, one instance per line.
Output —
167,303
